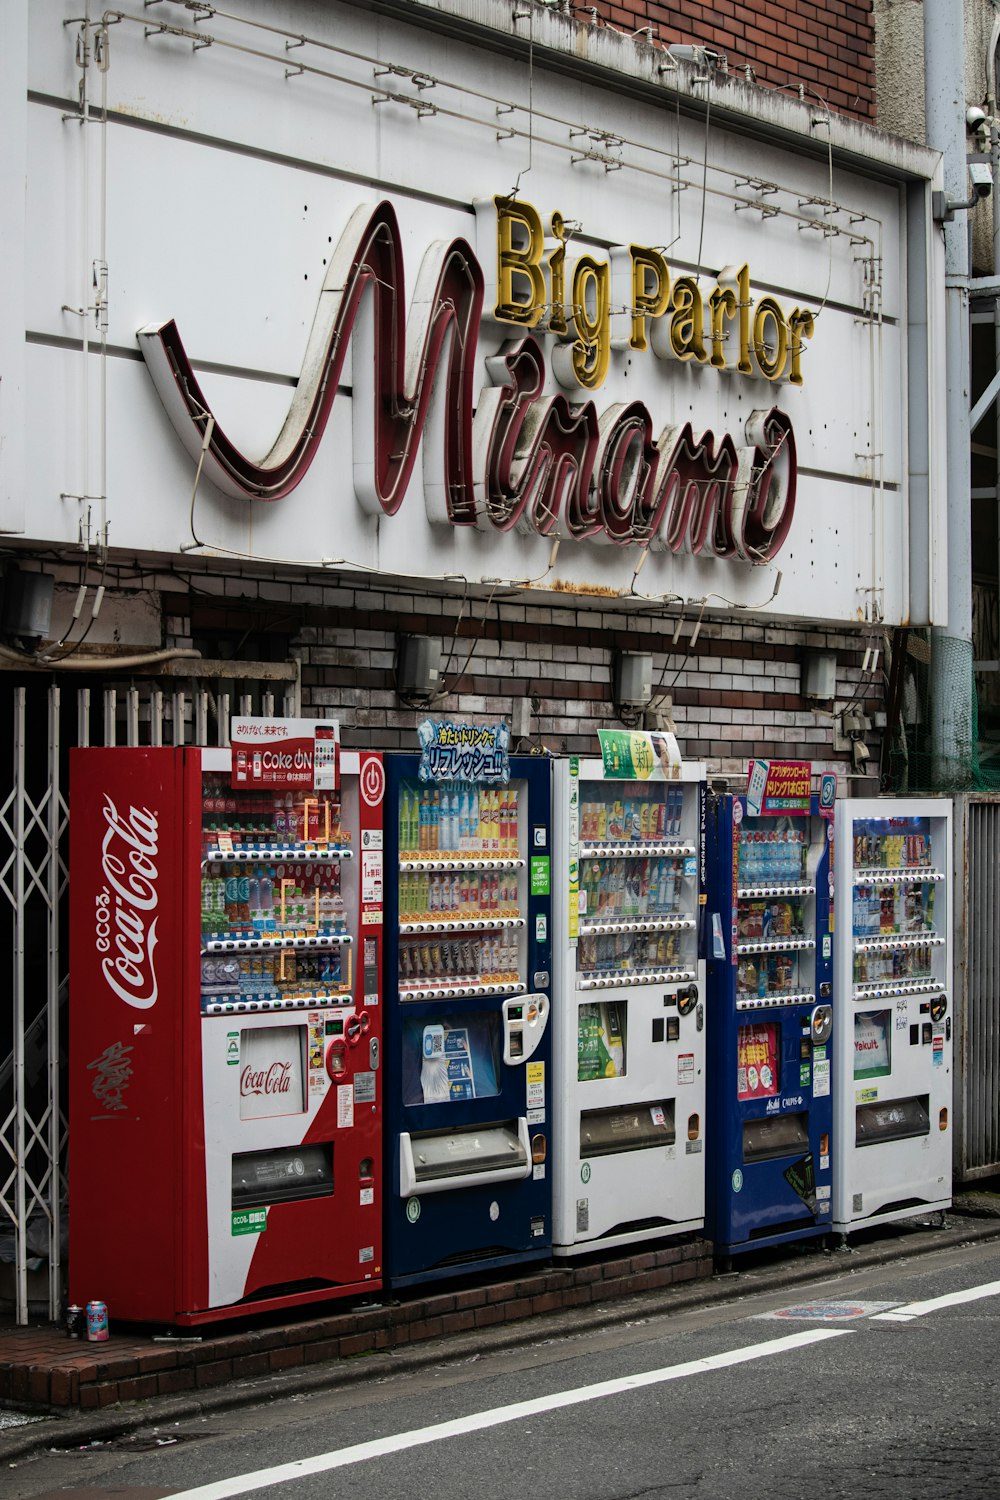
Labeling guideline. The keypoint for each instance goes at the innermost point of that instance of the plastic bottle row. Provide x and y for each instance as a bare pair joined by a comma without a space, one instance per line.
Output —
771,856
631,888
892,851
458,895
771,975
768,920
627,952
888,964
474,959
458,818
266,973
888,909
262,820
275,899
633,819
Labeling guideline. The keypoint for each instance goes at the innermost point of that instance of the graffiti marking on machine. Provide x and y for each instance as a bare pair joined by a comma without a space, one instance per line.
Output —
112,1071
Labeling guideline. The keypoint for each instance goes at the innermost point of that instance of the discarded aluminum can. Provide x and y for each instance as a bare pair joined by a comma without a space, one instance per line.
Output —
74,1320
97,1322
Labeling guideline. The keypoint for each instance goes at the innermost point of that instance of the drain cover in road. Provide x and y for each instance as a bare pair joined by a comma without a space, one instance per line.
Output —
829,1312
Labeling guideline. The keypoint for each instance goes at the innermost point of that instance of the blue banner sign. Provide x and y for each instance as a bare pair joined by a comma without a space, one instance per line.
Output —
464,752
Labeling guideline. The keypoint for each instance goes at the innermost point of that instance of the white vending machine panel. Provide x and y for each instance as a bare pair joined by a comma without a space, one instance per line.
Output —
894,1038
629,1017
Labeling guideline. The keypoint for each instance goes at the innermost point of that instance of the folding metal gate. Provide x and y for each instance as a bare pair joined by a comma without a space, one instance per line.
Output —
46,721
977,986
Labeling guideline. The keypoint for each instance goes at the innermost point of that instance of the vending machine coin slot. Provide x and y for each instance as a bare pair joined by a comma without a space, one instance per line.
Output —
673,1029
524,1022
915,1035
687,999
658,1029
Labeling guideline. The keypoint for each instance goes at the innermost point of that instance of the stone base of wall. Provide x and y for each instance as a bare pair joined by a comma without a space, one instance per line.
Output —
45,1368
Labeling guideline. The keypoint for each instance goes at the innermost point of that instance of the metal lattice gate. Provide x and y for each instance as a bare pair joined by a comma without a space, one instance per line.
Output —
977,986
46,721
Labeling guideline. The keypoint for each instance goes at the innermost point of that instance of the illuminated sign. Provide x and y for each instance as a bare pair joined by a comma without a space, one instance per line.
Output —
510,456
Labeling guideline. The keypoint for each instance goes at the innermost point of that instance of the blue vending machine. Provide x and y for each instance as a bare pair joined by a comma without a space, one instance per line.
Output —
770,1000
468,990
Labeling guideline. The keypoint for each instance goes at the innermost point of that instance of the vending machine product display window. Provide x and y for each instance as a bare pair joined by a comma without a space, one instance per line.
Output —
468,997
894,1056
450,1059
630,1018
226,1020
770,983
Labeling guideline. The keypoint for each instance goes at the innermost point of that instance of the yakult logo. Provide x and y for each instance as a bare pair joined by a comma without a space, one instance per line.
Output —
273,1080
124,918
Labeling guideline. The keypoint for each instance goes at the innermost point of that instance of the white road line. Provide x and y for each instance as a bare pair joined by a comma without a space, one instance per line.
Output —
950,1299
478,1421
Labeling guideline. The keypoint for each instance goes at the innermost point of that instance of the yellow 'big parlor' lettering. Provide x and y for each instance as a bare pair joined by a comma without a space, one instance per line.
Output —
537,287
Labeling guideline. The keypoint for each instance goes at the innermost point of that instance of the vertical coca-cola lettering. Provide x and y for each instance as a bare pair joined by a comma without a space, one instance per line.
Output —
126,927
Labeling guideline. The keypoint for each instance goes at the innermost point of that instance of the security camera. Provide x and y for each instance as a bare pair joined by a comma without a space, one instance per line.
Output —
981,177
975,118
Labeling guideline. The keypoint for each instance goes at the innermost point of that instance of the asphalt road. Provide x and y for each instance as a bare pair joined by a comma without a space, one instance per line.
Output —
879,1382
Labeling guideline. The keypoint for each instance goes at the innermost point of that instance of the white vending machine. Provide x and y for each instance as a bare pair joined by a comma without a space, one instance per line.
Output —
628,999
893,1039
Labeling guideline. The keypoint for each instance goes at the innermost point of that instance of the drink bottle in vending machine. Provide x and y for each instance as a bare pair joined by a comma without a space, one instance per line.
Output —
225,1024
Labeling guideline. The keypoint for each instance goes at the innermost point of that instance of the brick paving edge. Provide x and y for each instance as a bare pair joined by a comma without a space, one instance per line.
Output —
58,1430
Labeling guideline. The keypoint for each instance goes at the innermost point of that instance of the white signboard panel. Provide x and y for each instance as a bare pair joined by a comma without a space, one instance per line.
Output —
385,333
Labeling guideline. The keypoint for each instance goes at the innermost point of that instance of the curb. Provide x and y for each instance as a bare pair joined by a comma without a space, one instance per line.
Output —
813,1264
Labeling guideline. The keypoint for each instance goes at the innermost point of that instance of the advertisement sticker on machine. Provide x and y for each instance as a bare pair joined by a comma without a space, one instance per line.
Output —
285,753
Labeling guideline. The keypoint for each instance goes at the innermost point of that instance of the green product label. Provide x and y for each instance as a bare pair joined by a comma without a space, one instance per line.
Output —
803,1075
540,880
627,755
232,1049
574,765
600,1042
249,1220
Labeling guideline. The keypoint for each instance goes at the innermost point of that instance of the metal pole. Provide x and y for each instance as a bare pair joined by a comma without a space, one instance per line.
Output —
951,657
54,831
20,1137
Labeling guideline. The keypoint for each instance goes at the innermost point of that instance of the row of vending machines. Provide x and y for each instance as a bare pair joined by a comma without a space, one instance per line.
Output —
338,1020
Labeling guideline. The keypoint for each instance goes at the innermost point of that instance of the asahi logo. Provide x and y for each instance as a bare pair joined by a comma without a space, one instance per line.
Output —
275,1079
125,920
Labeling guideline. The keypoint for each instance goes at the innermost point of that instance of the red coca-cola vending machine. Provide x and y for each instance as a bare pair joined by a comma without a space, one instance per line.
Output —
225,1028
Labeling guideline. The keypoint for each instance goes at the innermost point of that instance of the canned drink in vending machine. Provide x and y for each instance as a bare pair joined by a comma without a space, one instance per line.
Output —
97,1322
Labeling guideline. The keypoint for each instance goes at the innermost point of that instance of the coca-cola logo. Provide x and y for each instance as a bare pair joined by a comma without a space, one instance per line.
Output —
275,1079
125,923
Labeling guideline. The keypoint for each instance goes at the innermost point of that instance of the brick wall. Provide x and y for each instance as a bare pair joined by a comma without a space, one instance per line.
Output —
827,45
736,694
